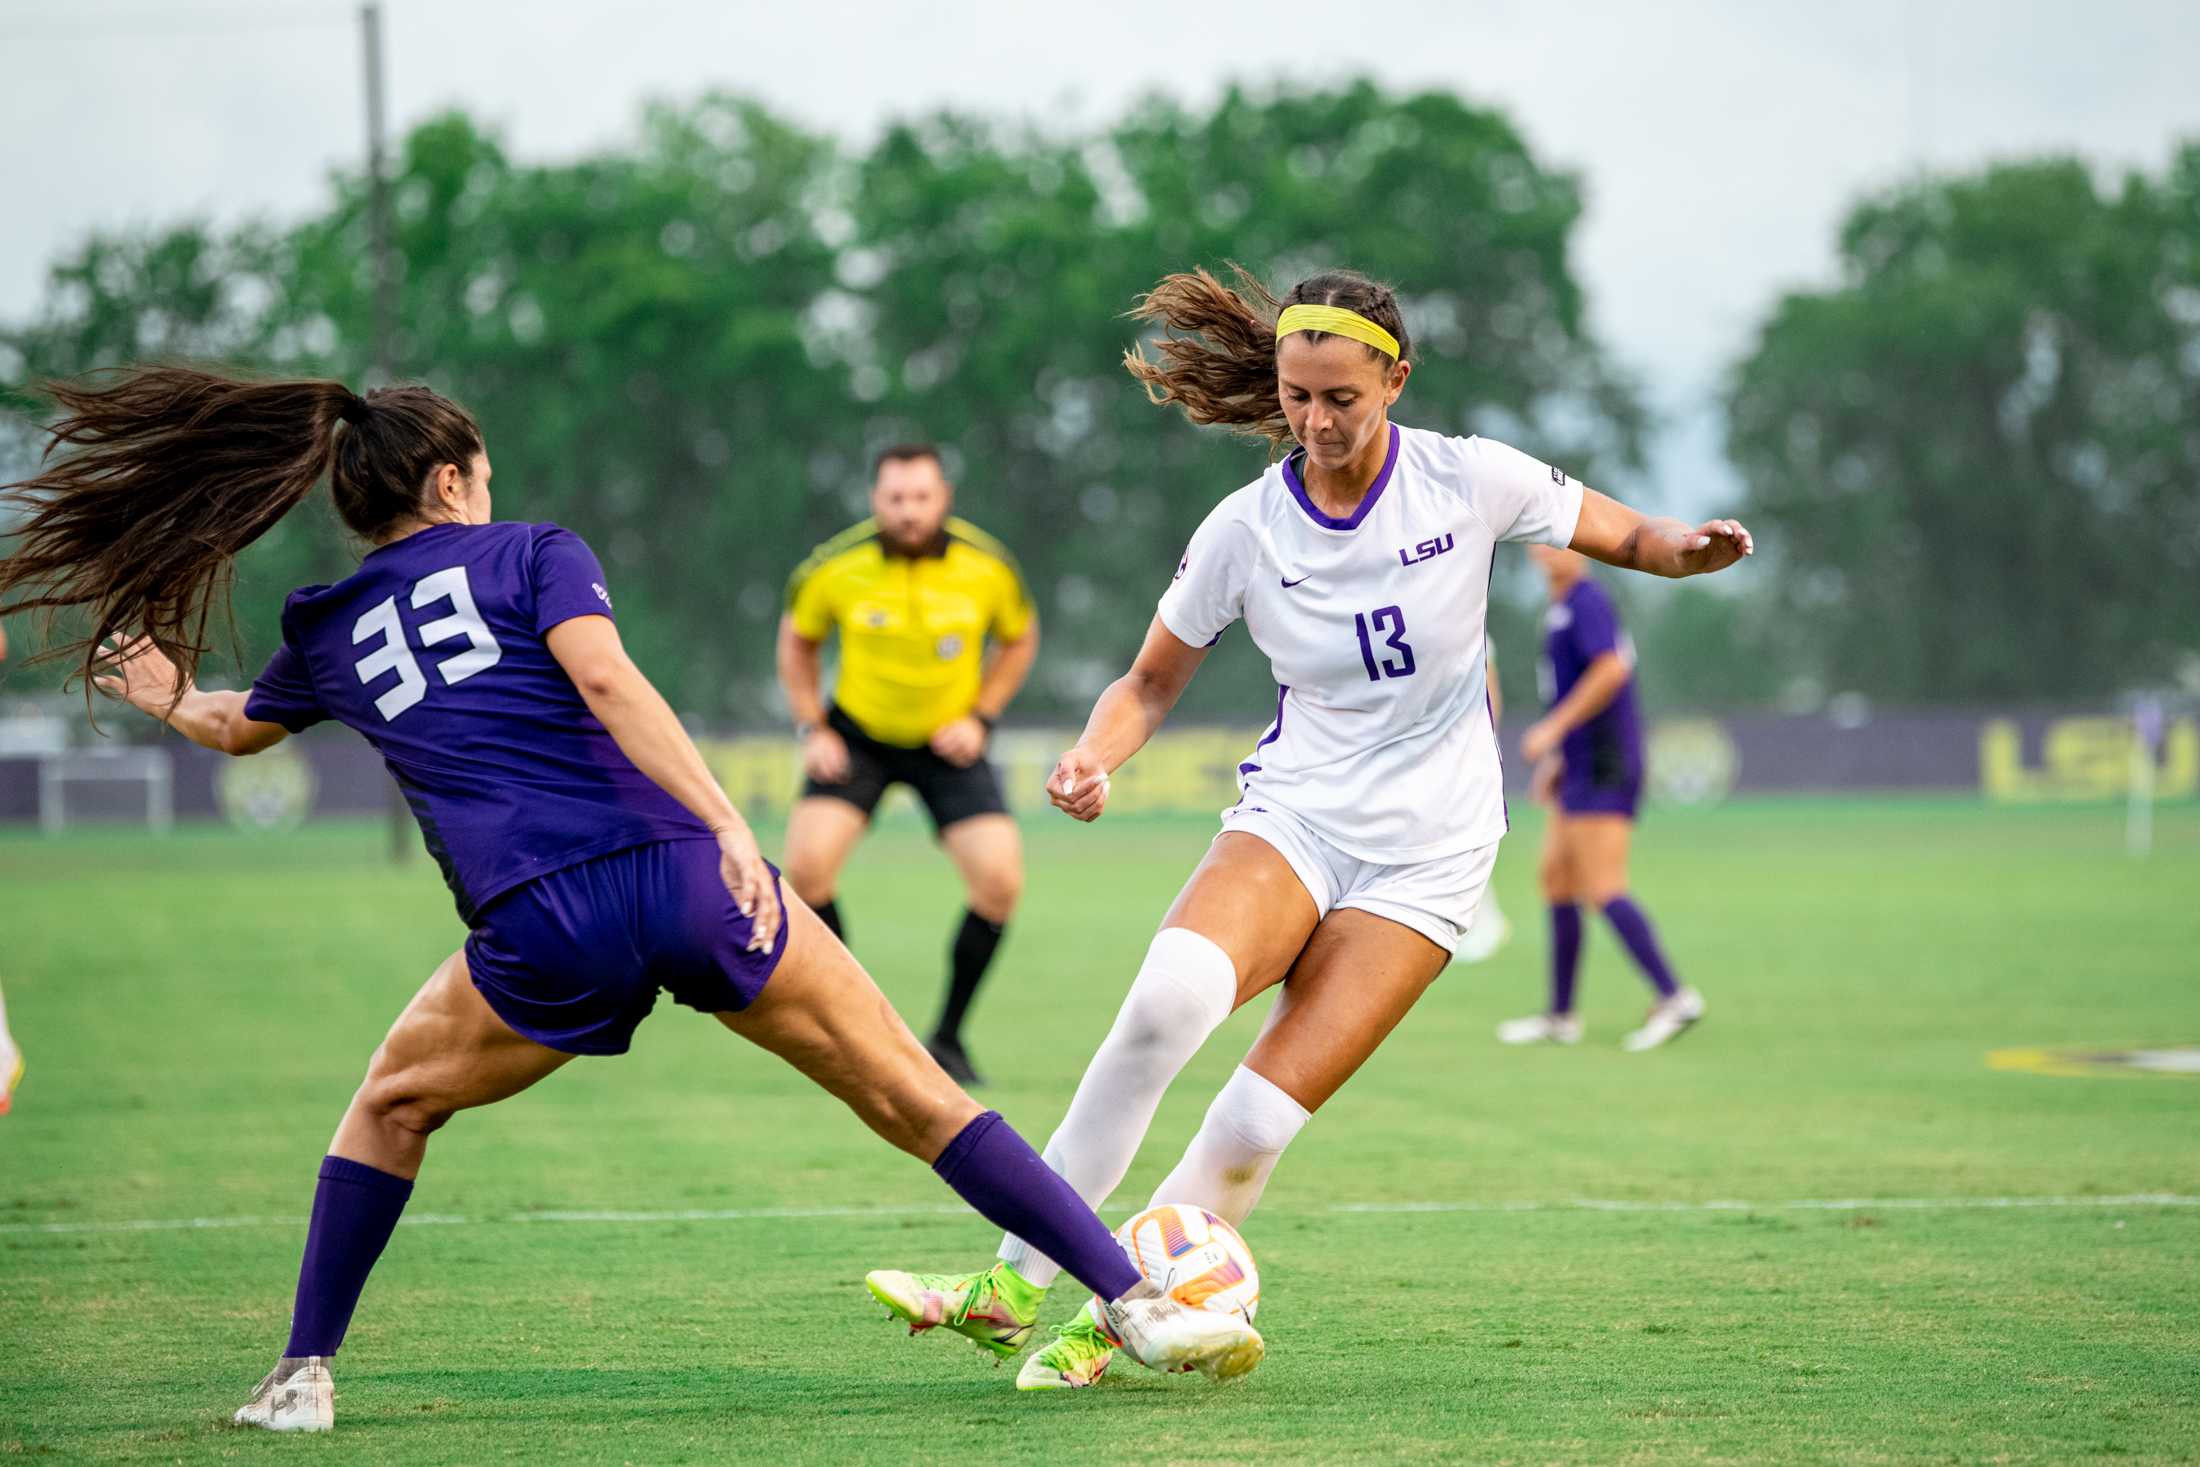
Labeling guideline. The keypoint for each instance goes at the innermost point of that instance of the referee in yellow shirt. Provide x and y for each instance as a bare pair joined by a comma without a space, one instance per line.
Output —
914,595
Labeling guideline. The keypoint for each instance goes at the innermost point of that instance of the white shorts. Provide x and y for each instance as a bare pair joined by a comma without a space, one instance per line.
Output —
1436,898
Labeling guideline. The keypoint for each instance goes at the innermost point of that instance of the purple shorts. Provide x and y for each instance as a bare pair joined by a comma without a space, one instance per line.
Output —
573,960
1585,797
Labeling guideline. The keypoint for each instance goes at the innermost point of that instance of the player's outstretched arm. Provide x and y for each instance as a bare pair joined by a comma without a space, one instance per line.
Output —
648,732
1129,712
142,676
1611,532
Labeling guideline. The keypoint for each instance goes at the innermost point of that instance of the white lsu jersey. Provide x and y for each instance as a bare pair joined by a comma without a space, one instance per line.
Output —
1374,628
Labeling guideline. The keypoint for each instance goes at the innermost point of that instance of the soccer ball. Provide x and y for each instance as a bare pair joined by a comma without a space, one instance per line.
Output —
1194,1257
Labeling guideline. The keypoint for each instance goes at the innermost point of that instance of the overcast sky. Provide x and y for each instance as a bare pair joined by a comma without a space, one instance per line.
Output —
1720,141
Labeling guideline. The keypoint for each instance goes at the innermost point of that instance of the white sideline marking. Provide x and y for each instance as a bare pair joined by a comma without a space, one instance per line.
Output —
1807,1204
754,1214
731,1214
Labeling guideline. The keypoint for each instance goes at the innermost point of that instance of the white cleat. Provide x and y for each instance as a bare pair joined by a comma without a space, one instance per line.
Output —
1163,1335
1668,1020
11,1072
1490,932
298,1395
1540,1029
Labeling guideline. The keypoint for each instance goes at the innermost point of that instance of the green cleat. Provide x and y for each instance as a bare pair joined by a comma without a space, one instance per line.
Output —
995,1308
1075,1358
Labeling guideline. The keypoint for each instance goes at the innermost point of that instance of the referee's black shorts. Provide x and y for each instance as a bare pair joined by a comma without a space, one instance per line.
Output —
949,793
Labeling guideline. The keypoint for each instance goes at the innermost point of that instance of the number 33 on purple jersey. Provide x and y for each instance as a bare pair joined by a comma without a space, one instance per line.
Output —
393,655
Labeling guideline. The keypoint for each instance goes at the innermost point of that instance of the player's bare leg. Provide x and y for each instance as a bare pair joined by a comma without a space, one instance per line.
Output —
447,1052
1232,933
1357,977
822,1013
988,852
822,833
1245,898
1557,1024
1598,845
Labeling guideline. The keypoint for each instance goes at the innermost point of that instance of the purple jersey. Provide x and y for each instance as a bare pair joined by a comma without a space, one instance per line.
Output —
1607,750
434,650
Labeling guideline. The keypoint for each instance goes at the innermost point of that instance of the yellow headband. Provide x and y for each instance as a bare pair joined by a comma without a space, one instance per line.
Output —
1337,321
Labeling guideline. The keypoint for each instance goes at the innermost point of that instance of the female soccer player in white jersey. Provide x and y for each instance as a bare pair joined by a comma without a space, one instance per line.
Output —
1371,808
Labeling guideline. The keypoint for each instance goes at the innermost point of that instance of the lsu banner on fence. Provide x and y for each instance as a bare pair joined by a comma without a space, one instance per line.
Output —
2020,757
1692,760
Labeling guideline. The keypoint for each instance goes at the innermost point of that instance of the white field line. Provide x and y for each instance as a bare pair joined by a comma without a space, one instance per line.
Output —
766,1214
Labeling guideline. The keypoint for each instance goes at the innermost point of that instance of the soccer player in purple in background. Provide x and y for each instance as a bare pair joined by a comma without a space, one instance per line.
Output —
1587,752
591,853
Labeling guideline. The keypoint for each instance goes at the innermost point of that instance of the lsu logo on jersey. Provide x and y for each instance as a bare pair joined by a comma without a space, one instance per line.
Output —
1426,550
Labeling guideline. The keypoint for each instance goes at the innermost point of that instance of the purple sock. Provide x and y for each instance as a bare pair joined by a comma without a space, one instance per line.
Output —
1634,930
354,1210
1565,955
996,1171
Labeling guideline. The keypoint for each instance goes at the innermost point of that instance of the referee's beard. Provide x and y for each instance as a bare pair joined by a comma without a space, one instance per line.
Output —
900,541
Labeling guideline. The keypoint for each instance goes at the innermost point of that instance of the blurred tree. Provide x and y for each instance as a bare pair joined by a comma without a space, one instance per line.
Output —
187,291
686,349
631,331
1975,460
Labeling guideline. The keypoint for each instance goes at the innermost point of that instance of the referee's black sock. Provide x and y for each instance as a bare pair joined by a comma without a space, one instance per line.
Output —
829,914
973,954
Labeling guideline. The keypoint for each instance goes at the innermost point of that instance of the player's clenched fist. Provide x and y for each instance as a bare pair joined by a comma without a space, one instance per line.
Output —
825,755
1079,785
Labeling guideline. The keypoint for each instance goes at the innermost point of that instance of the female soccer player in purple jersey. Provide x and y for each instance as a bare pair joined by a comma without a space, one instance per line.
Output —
591,853
1371,807
1587,753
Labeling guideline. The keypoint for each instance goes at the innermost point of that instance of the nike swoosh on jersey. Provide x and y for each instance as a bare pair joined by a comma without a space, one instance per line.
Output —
1287,585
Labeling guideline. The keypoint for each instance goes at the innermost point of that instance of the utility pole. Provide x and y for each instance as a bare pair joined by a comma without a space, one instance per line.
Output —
378,200
384,368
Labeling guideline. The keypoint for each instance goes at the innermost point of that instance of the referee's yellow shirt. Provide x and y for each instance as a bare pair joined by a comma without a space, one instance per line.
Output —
912,628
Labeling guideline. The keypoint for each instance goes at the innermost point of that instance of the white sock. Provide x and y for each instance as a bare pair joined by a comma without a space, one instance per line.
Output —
1184,990
1226,1167
7,1040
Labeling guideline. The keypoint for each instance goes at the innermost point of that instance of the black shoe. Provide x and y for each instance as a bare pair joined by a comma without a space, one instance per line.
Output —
951,1057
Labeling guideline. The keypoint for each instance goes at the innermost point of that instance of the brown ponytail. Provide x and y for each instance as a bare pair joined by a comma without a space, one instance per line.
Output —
1222,370
174,470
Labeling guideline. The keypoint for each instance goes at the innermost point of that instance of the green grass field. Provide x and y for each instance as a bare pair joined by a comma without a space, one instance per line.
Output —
197,1008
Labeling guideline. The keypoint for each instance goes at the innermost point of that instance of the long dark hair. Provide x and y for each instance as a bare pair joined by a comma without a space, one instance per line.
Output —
1221,369
171,471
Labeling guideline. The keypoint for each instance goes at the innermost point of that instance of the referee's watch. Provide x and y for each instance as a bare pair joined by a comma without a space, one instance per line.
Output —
804,730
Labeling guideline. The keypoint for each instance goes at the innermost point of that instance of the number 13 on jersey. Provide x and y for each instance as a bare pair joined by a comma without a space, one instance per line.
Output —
1370,625
393,655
